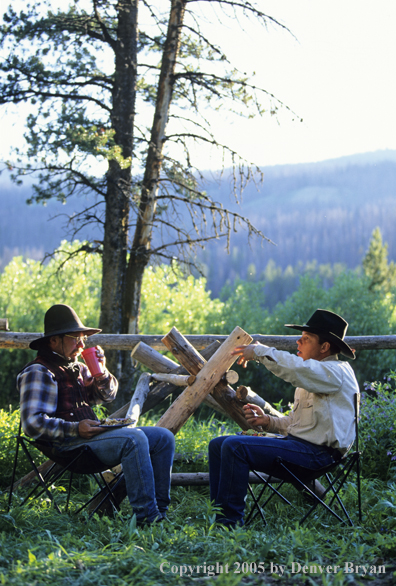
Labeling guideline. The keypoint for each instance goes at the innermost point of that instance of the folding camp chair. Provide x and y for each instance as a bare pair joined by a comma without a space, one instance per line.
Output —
334,475
81,460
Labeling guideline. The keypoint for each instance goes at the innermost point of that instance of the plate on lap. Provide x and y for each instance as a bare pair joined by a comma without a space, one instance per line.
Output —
252,433
116,423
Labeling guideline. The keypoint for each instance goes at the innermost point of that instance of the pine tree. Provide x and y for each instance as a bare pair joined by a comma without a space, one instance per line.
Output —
375,264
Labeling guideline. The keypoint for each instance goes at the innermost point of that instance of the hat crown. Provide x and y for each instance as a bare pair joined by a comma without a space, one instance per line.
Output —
61,318
328,322
330,327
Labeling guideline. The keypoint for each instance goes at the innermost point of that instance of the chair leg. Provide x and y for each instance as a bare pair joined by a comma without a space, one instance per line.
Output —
359,487
13,476
53,474
317,500
256,505
39,477
107,490
69,491
266,484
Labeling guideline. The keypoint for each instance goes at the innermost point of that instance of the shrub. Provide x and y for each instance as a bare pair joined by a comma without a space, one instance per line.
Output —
377,429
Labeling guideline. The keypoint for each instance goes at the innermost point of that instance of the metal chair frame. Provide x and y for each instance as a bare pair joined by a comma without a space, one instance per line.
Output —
74,462
299,476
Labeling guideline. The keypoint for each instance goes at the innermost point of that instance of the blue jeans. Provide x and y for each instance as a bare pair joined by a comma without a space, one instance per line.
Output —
232,457
146,455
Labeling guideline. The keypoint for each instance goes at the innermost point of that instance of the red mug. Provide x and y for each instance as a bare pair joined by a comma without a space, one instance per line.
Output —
92,361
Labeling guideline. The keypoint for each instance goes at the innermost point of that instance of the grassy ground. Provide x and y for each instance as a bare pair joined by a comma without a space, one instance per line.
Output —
39,547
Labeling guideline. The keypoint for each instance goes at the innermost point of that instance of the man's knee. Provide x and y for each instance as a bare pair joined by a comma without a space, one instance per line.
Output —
167,438
135,439
216,444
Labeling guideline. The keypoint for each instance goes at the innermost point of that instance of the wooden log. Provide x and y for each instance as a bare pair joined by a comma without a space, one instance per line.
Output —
211,402
202,478
186,354
163,390
207,378
231,377
246,395
4,323
179,380
184,380
224,395
21,340
153,359
31,476
139,397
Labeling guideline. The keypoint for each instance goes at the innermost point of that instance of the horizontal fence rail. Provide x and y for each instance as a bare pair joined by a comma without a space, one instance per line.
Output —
21,340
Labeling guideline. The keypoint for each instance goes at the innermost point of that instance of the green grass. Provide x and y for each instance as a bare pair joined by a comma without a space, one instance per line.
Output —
39,547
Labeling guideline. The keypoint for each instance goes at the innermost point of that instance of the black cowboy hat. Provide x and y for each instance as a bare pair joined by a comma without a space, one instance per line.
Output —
330,327
61,319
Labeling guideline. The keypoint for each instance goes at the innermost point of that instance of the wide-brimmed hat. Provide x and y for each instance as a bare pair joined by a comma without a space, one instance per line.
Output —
330,327
61,319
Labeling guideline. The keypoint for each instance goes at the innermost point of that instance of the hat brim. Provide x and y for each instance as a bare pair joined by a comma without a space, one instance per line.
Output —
38,342
330,337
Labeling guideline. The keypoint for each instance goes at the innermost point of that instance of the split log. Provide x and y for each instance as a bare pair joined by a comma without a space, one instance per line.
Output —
139,397
246,395
4,323
224,395
207,378
179,380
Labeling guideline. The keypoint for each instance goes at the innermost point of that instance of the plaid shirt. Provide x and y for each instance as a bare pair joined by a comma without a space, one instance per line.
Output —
39,398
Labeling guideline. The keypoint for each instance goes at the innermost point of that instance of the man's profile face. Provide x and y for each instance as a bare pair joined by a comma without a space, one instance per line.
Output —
308,347
69,346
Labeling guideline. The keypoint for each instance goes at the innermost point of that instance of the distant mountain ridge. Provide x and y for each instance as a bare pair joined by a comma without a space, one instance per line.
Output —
323,211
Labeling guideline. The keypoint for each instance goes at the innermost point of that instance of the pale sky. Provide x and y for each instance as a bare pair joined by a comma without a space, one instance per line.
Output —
338,76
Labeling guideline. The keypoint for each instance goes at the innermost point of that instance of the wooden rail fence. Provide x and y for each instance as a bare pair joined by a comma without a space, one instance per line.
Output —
21,340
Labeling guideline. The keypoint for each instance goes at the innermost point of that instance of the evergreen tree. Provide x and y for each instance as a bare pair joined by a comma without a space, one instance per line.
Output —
375,264
104,88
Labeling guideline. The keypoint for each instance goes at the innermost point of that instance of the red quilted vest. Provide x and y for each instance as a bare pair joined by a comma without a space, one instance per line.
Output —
73,397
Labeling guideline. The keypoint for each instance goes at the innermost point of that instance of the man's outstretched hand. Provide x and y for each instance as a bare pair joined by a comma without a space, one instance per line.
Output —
245,353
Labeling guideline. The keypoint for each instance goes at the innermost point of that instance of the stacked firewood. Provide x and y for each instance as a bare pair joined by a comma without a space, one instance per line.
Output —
205,376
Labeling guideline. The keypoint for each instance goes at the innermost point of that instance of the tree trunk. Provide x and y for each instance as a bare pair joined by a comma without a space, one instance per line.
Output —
140,255
119,179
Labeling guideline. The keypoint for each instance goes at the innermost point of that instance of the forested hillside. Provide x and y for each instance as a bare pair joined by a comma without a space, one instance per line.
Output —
323,212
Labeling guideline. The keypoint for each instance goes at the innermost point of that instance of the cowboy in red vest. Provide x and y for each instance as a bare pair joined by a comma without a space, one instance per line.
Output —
56,397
